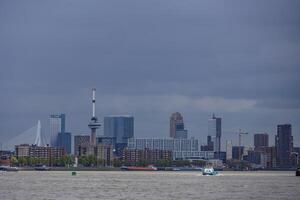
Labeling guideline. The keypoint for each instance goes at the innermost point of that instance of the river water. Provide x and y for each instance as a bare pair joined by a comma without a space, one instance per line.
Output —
148,185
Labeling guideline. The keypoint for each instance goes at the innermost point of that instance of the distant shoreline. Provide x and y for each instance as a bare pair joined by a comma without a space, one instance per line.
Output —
72,169
119,169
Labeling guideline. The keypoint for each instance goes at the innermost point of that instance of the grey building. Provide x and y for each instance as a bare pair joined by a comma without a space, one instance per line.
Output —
120,127
261,140
175,120
284,145
215,130
181,148
57,125
177,127
237,152
180,132
64,140
106,140
209,145
81,144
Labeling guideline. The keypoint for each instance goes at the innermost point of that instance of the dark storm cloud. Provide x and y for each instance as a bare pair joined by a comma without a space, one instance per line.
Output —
150,58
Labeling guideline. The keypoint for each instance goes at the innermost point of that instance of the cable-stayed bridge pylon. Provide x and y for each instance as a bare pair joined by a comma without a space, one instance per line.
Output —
30,136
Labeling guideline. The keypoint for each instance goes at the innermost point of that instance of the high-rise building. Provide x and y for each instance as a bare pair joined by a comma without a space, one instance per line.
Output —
210,143
209,146
237,152
284,145
64,140
121,127
180,132
57,125
215,130
81,142
228,149
175,120
261,140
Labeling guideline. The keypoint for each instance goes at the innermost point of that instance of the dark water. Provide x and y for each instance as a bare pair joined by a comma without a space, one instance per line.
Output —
149,185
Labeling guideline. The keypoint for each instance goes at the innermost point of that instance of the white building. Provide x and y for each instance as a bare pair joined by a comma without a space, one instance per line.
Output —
181,148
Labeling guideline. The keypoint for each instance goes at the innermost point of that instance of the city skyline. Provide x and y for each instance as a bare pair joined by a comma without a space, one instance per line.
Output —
172,99
62,117
239,61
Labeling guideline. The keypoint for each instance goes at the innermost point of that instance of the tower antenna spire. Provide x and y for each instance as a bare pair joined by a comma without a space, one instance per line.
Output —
94,124
94,102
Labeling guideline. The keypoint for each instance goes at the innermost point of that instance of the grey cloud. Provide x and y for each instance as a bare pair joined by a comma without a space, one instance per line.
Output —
138,52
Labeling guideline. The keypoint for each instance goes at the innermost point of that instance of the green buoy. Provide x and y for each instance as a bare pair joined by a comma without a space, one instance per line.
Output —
73,173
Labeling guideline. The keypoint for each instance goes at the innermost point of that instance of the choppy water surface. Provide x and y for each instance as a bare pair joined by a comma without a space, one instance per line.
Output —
148,185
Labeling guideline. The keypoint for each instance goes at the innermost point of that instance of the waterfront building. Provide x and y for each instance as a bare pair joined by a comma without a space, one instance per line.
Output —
22,150
270,156
57,125
104,152
148,156
215,130
284,145
64,140
254,157
5,157
48,153
81,142
5,160
261,140
6,153
180,148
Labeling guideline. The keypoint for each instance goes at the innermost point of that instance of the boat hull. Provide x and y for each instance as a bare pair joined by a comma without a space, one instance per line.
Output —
8,169
139,168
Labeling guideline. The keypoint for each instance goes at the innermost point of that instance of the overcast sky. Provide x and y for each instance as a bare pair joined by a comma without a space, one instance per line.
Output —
237,59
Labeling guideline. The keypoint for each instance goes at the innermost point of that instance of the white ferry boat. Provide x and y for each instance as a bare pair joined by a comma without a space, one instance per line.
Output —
209,171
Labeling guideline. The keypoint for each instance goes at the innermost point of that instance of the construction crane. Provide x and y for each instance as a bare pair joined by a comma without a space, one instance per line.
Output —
240,133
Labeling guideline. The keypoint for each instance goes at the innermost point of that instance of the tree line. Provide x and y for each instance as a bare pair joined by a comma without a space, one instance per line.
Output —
92,161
